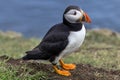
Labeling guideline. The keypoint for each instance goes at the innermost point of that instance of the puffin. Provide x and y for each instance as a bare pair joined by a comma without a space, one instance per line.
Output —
62,39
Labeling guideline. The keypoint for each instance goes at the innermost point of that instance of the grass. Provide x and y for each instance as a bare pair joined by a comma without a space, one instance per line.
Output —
11,73
15,47
99,50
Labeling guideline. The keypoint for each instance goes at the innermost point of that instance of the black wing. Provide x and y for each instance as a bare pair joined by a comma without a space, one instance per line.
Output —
55,40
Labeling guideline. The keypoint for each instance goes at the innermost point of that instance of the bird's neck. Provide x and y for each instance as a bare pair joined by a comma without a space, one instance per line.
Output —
73,26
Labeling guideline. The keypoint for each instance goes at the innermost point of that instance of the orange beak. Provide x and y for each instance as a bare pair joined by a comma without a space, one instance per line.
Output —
86,18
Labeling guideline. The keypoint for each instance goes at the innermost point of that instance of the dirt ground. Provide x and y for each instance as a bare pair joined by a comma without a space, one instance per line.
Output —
82,72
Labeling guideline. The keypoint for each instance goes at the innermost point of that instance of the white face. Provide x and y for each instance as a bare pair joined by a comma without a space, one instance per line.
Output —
73,15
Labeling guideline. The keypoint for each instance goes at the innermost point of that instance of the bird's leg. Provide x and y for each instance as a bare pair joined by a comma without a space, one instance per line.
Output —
67,66
61,72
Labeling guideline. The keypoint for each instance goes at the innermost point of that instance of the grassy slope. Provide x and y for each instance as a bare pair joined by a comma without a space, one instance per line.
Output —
100,49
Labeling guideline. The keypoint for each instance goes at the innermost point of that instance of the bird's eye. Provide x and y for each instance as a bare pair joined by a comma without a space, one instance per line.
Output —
75,13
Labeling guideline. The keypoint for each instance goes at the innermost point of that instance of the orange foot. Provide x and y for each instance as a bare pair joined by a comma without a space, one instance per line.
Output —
62,72
67,66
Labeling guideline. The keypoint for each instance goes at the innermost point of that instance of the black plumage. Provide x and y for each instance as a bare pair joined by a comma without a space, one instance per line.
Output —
53,42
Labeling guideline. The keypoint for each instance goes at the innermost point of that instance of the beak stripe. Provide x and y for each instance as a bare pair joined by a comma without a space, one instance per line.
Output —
87,18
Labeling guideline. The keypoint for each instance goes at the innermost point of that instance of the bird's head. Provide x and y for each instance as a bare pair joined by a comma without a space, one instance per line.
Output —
73,14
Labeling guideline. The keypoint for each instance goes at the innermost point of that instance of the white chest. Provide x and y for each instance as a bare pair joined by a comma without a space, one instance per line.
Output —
75,40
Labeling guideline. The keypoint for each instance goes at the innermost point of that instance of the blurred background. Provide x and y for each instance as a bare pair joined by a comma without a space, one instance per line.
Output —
33,18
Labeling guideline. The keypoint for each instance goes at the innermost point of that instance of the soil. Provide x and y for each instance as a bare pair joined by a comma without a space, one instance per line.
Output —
82,72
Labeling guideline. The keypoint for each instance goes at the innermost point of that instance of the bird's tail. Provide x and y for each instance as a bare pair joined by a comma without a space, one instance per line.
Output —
35,55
